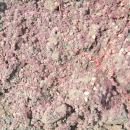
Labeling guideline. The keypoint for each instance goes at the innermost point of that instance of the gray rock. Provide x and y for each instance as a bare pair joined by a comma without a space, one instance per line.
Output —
114,127
51,116
119,118
55,55
2,111
74,94
93,30
51,5
52,40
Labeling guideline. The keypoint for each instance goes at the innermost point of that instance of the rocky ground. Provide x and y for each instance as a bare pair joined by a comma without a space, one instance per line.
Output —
64,65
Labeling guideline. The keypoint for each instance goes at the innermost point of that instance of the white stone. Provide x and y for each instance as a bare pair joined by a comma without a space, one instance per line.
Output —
93,79
86,93
95,88
128,53
86,99
93,36
121,51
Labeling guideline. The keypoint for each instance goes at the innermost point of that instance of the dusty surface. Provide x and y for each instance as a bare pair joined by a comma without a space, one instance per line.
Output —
64,65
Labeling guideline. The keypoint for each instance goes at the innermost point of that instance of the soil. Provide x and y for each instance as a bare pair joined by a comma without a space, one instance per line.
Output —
64,65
